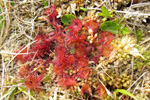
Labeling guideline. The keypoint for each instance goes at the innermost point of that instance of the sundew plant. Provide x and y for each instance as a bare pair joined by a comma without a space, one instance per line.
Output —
73,48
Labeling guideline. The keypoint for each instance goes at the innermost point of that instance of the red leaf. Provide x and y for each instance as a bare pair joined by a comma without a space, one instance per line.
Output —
80,52
82,62
60,54
59,70
100,90
107,37
76,25
71,59
33,81
92,24
23,71
86,89
22,57
83,73
66,81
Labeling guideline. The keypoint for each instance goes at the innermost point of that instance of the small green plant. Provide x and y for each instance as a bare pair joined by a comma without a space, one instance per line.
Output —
115,27
45,2
105,13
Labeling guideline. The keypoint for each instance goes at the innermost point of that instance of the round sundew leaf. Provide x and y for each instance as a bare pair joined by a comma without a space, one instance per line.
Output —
92,24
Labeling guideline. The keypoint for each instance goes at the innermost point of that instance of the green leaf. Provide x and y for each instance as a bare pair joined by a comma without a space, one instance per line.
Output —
111,12
17,92
45,2
104,19
125,30
22,89
13,95
66,19
84,9
126,93
10,91
20,81
110,15
101,14
110,26
104,11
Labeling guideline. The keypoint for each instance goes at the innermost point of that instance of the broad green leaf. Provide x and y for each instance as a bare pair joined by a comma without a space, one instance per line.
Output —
23,90
66,19
116,20
110,26
125,30
10,91
126,93
84,9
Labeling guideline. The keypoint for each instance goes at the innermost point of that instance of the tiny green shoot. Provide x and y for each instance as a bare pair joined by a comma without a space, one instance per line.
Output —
83,9
105,13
